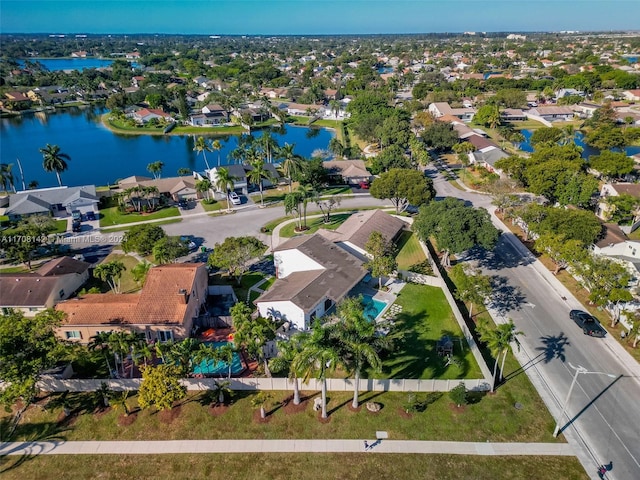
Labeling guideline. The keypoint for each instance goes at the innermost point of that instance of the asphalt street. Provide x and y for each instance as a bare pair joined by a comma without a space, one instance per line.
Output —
603,413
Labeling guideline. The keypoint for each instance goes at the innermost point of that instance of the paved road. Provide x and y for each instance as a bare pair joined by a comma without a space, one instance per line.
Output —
282,445
603,414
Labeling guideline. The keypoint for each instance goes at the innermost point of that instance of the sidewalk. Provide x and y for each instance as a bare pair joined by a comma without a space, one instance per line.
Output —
293,446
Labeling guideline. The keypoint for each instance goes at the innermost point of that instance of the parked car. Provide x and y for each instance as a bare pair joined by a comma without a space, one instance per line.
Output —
364,185
589,324
183,204
76,215
91,216
76,226
191,245
235,199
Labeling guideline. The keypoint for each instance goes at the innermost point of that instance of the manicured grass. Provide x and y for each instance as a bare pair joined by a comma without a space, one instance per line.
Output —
242,290
488,418
112,216
426,316
209,131
409,251
60,226
327,123
116,125
276,466
127,284
527,125
214,207
124,228
314,224
18,269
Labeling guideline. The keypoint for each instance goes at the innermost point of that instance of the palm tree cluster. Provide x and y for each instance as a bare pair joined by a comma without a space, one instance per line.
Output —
141,198
498,341
120,344
347,340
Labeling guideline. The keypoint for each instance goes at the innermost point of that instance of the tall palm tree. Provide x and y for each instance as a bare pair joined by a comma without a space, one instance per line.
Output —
269,145
291,163
217,146
100,341
204,186
258,173
54,160
155,168
319,357
287,352
111,273
498,341
203,146
224,183
6,177
226,355
182,354
360,343
306,193
259,400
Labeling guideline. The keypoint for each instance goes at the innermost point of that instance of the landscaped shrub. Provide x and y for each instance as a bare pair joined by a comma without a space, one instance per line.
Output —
459,394
423,268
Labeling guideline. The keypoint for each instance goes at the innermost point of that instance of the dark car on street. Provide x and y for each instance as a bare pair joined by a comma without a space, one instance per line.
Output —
589,324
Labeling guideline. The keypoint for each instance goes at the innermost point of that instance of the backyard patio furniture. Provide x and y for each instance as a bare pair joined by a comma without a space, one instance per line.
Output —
444,346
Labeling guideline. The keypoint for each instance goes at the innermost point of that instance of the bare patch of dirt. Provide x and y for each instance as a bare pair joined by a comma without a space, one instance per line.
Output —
169,415
101,411
404,414
125,421
290,408
218,409
457,409
323,420
257,418
355,410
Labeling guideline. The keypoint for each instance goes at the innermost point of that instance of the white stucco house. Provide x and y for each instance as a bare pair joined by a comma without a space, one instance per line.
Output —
313,275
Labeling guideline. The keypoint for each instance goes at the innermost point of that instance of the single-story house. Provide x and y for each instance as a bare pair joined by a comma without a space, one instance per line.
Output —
354,233
176,188
56,201
145,114
173,296
240,177
553,113
487,157
34,292
439,109
299,109
349,171
585,109
205,119
313,275
513,115
568,92
632,95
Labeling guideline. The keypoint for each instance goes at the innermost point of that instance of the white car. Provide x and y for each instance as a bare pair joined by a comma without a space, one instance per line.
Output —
235,199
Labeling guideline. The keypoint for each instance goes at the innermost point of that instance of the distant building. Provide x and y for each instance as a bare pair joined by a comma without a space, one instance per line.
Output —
440,109
56,201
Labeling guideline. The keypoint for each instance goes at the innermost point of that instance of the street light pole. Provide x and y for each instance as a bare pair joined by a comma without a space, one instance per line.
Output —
579,369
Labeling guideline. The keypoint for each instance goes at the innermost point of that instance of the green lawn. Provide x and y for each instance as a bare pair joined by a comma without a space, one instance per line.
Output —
279,466
18,269
112,216
409,251
127,284
213,207
328,123
314,224
248,280
209,131
425,318
60,226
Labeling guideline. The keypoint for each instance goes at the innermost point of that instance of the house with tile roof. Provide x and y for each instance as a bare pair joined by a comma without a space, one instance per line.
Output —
175,188
56,201
173,296
144,115
351,172
440,109
313,275
36,291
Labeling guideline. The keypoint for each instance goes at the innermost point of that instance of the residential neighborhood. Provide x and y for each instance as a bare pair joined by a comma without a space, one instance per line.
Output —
409,244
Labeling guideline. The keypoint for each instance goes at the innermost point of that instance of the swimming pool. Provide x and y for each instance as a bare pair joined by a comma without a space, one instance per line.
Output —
213,367
372,307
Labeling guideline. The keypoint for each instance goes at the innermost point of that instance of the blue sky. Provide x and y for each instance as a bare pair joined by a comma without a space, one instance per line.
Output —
314,16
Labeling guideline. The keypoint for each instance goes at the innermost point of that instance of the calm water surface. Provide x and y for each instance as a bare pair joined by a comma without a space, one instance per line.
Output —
101,157
54,64
587,151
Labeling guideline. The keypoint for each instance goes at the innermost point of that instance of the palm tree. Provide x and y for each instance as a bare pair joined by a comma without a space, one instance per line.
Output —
498,341
111,273
224,183
306,193
318,357
209,353
182,353
155,168
257,174
100,341
226,355
6,177
259,400
54,160
334,107
120,345
217,146
287,352
360,340
204,186
291,163
269,145
202,146
220,389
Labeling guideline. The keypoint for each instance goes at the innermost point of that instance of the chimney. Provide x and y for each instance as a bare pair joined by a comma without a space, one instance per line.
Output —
184,296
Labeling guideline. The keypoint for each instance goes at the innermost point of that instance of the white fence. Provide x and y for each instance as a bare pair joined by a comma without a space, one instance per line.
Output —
254,384
414,277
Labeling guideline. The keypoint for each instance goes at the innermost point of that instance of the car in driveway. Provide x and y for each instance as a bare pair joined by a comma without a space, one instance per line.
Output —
76,226
91,216
364,184
234,198
76,215
589,324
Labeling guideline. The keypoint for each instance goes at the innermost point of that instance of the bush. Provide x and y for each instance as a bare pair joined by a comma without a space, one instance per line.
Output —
459,394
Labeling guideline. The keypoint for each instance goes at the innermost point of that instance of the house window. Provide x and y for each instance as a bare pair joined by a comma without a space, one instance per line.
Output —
33,309
165,335
327,304
73,334
61,293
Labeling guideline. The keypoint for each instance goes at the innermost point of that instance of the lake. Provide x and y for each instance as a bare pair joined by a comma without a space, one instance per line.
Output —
55,64
587,151
100,157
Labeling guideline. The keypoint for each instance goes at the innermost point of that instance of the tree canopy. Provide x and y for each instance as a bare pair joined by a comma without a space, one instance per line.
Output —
440,136
142,238
235,254
612,164
403,187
